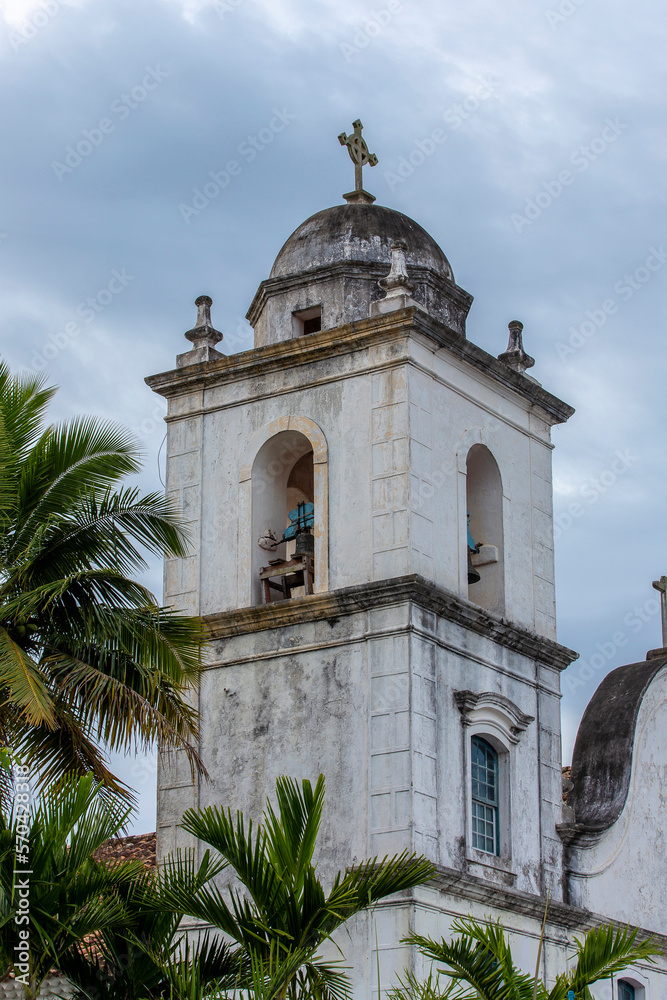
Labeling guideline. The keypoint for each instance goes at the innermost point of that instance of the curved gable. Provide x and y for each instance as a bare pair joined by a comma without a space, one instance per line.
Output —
602,760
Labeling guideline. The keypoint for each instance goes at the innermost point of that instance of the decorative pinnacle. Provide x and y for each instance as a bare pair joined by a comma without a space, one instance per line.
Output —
360,156
397,281
515,357
203,334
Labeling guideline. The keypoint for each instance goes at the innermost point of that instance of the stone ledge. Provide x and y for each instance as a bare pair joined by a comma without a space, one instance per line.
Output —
344,340
419,274
384,593
476,356
286,354
518,901
478,890
507,898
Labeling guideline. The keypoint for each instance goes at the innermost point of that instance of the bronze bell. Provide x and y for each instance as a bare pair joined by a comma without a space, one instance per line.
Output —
305,544
473,575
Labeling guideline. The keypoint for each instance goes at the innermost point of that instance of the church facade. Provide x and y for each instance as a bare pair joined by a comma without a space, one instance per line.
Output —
370,500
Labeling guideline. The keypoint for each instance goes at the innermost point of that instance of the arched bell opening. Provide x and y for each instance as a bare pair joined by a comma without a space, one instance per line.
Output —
284,523
485,542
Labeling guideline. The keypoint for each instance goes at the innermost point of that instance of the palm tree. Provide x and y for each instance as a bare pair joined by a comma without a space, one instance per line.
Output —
87,656
104,925
282,915
480,966
53,894
147,957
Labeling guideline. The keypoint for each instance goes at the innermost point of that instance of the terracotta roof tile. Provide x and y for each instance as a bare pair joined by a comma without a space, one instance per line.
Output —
141,847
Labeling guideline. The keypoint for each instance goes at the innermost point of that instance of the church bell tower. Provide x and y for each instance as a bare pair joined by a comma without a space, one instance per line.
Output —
370,500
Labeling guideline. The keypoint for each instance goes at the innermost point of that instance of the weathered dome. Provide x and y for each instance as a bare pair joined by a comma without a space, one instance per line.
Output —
358,233
331,272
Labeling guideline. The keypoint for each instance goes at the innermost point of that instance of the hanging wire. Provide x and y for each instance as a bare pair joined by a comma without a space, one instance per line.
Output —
159,472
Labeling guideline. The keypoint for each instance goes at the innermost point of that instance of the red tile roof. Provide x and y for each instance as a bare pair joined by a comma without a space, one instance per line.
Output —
141,847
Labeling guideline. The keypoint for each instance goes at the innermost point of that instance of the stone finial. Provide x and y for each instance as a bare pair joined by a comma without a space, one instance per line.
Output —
397,281
515,357
396,284
203,336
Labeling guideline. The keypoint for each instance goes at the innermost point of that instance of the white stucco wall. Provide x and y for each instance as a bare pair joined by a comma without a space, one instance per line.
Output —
369,699
398,422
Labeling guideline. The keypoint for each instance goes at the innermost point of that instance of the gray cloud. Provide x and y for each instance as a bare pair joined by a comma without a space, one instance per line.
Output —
553,81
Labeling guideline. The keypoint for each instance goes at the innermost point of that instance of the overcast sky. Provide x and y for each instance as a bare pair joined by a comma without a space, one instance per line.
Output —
528,138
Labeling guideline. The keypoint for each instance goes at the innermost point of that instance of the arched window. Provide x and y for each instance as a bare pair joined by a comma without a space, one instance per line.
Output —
484,494
282,478
485,793
286,465
626,990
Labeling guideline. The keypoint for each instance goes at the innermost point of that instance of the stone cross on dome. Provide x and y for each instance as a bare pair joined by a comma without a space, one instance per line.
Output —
360,156
661,585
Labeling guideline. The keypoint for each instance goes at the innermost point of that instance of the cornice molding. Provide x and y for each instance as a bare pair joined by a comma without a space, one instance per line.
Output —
419,274
383,593
362,335
514,900
564,915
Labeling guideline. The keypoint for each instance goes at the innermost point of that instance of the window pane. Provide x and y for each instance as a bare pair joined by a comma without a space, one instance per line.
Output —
484,773
626,991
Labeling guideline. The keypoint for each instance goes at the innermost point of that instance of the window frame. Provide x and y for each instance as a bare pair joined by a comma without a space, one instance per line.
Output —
478,802
500,723
638,983
301,316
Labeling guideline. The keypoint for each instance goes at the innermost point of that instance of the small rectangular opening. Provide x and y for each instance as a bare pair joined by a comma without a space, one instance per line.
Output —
307,321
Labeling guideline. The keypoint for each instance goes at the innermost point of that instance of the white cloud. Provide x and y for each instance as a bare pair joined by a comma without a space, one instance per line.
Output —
33,13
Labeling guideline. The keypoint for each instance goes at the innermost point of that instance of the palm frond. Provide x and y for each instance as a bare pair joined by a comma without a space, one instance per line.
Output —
409,987
282,909
87,656
479,955
373,880
21,676
69,460
291,836
606,951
